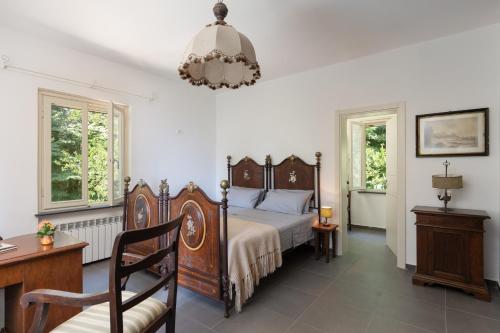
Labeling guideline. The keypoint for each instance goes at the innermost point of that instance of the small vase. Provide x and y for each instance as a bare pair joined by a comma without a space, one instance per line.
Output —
47,240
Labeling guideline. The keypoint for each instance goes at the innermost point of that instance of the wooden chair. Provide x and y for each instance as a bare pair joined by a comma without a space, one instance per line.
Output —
123,311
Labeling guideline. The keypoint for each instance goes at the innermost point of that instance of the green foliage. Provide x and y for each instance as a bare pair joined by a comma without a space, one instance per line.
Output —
98,157
66,142
67,162
376,178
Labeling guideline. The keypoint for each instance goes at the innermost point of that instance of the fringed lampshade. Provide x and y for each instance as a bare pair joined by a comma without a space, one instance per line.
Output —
219,56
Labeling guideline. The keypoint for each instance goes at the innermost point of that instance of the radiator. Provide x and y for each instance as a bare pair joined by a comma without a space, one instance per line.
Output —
100,234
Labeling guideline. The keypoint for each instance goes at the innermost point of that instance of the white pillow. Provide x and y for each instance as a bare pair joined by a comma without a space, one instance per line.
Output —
309,194
243,197
282,201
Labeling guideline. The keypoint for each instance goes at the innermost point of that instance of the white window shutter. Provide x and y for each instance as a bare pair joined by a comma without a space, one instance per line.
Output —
357,156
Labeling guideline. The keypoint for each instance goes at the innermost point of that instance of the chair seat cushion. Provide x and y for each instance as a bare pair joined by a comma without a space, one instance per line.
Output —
95,319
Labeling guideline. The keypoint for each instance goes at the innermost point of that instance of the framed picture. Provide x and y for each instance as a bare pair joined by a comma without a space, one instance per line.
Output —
455,133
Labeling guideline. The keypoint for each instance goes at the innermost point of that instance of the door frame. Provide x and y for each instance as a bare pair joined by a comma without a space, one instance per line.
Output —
342,116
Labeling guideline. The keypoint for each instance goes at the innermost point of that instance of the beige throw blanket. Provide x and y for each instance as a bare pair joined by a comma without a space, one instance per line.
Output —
254,251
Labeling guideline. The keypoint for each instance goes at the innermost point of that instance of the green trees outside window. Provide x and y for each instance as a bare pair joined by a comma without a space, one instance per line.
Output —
66,150
376,171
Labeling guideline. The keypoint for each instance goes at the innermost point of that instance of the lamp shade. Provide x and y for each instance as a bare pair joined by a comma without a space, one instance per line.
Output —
326,212
220,56
447,182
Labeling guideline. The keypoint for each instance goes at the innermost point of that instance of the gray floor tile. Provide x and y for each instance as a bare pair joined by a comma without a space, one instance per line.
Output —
305,281
364,297
254,319
335,317
184,324
203,310
303,328
461,322
459,300
402,285
284,300
388,325
427,315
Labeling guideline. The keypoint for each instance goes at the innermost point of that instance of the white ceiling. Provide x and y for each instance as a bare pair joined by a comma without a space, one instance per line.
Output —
289,35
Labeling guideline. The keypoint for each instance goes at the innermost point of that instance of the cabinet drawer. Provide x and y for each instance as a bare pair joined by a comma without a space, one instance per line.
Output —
450,222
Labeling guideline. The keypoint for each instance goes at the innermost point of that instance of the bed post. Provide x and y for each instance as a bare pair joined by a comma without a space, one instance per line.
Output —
125,202
225,277
318,184
164,241
164,197
268,172
229,170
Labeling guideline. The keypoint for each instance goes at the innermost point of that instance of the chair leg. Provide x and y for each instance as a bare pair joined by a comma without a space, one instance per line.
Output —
170,325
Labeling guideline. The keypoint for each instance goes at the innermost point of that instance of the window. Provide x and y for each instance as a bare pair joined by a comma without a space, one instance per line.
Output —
82,151
368,156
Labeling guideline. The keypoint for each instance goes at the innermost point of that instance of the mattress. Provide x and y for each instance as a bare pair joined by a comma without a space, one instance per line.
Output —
294,230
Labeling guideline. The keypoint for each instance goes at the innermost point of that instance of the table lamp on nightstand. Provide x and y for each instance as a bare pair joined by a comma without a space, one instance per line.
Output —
326,212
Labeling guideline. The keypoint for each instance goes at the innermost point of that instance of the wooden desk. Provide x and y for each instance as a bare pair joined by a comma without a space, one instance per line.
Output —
31,267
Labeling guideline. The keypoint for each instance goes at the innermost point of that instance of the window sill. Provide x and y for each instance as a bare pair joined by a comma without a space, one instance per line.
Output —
76,210
371,192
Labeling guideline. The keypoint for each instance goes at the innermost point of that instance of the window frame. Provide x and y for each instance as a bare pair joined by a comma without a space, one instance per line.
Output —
45,101
364,125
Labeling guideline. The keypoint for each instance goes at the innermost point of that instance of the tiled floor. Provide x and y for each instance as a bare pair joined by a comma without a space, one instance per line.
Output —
362,291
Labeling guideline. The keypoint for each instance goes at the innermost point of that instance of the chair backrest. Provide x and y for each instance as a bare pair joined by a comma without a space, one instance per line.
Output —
167,255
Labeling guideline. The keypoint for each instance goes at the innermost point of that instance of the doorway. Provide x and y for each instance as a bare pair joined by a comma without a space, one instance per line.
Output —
371,175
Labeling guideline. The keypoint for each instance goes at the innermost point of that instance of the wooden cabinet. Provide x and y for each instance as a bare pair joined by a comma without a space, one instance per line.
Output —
450,249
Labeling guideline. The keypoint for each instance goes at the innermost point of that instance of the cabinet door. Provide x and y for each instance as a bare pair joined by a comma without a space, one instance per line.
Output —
447,254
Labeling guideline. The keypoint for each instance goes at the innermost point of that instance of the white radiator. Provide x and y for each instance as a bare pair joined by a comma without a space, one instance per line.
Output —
99,233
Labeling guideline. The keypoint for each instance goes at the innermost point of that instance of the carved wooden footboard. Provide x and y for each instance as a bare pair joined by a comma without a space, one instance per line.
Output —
202,253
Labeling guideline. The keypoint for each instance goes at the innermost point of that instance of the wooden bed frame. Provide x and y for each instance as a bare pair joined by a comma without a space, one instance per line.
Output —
203,246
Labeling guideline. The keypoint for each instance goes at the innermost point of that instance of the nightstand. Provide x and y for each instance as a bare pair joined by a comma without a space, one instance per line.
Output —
322,235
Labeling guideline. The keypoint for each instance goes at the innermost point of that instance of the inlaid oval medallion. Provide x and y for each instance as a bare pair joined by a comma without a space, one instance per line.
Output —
193,228
142,212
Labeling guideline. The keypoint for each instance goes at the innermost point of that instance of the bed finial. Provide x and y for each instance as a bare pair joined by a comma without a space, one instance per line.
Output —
268,159
224,184
228,159
191,187
127,183
318,156
164,187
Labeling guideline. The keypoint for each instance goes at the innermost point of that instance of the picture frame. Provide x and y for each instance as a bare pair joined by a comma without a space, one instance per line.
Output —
453,133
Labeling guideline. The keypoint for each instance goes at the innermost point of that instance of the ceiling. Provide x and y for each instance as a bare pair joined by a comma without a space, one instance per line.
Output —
289,36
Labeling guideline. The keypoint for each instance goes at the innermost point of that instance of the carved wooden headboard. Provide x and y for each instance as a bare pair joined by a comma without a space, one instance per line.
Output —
295,174
246,173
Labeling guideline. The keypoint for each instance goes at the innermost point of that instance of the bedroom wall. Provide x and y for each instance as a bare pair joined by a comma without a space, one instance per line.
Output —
171,137
296,114
368,210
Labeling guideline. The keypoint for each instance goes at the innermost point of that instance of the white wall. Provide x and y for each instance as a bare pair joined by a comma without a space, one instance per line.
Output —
157,150
368,209
296,114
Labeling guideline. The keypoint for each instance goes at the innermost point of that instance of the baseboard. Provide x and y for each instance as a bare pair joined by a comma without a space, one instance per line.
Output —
493,284
367,227
412,268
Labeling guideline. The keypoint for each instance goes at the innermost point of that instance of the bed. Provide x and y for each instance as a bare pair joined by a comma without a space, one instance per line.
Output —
225,250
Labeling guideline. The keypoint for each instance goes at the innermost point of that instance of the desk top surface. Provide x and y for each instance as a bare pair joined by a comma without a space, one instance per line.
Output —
29,247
